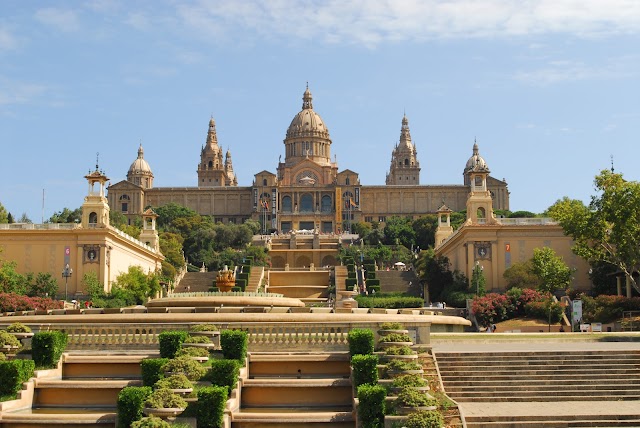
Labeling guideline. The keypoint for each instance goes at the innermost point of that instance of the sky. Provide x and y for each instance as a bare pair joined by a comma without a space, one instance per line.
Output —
549,89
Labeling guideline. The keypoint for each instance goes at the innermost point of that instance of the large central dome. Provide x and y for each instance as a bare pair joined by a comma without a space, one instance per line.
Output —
307,123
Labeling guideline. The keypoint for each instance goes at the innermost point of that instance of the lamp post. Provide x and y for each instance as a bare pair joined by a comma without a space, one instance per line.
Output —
66,274
481,268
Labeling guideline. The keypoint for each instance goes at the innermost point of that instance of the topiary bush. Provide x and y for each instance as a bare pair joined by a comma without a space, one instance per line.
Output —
8,340
47,348
192,369
130,404
197,339
192,352
372,405
394,337
409,380
13,374
171,341
211,403
401,365
151,422
165,399
391,326
424,419
224,373
204,327
399,350
361,341
18,327
177,381
152,370
364,369
410,397
379,300
234,344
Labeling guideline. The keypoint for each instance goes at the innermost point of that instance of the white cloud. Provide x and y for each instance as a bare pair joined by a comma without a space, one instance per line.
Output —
62,20
7,40
14,92
563,71
370,22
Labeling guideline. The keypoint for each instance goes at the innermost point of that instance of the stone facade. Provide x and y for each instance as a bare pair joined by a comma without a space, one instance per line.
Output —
307,191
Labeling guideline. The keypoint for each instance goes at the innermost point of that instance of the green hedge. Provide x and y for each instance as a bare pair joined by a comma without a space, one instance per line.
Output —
171,341
241,284
47,348
214,289
152,370
365,369
237,289
13,374
371,406
234,344
351,267
373,282
243,275
246,268
130,404
370,275
361,341
389,302
351,275
224,373
211,403
375,288
350,282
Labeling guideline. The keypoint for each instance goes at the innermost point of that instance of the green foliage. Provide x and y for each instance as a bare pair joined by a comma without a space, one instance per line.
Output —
192,369
204,327
547,309
151,422
66,216
18,327
234,344
521,275
152,370
402,365
409,380
10,280
192,352
8,340
425,419
425,230
391,326
436,272
93,286
211,404
550,269
399,231
522,214
197,339
372,405
361,341
171,341
176,381
13,374
478,282
224,373
130,404
608,230
411,397
394,337
165,399
44,285
389,302
138,284
399,350
4,215
47,347
607,308
365,370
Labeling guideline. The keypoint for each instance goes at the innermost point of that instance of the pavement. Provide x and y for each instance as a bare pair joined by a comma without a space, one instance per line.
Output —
494,342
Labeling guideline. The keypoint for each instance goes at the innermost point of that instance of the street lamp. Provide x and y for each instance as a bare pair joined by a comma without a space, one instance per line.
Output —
66,274
478,265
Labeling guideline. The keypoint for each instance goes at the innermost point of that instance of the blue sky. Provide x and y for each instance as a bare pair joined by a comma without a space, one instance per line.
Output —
549,88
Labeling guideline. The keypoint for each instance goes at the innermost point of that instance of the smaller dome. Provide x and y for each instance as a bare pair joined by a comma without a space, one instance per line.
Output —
140,165
476,162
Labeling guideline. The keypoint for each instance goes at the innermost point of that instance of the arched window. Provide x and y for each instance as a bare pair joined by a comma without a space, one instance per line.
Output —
306,203
326,204
210,164
93,218
124,203
406,161
347,181
480,213
264,181
286,204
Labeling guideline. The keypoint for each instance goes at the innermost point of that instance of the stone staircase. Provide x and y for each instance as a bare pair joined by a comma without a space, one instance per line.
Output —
341,275
85,396
296,390
196,282
255,279
543,379
399,281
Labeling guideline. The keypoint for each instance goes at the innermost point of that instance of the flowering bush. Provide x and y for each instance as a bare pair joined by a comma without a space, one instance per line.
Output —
10,302
606,308
542,310
490,309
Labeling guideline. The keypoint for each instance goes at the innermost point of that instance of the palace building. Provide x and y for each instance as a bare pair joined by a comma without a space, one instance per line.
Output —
307,191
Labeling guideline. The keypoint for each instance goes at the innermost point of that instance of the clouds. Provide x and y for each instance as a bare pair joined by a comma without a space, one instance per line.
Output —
559,71
62,20
7,39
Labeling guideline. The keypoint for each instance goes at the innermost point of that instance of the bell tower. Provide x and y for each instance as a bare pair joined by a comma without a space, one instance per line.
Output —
95,209
405,168
479,201
149,234
444,229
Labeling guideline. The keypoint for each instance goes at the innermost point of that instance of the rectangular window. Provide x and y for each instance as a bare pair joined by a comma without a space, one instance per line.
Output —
368,219
382,219
218,220
232,220
125,207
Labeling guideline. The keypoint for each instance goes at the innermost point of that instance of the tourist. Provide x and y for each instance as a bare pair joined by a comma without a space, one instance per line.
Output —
489,329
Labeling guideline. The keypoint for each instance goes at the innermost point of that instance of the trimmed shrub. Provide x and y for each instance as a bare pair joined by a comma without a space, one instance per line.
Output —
165,399
177,381
422,419
204,327
409,380
373,282
211,403
171,341
197,339
391,326
351,274
234,344
151,422
152,370
389,302
542,310
192,369
399,350
350,282
13,374
224,373
18,327
130,404
361,341
241,284
410,397
372,405
237,289
192,352
8,339
47,348
490,308
365,369
394,337
371,288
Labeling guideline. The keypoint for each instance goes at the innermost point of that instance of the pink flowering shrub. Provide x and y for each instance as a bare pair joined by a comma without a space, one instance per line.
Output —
10,302
490,308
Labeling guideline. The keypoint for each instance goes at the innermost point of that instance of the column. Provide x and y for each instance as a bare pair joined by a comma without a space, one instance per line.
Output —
628,287
619,285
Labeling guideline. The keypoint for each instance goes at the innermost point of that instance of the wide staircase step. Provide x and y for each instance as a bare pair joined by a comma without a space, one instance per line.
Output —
483,381
296,390
399,281
255,279
196,282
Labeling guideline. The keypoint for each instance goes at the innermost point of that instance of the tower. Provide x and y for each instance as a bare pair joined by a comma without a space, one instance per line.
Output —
479,201
95,209
149,234
228,169
405,168
444,229
211,169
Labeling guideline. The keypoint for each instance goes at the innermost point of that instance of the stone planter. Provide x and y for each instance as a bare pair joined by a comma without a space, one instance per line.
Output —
22,336
400,410
163,413
385,345
387,358
396,373
385,332
200,359
181,391
199,345
396,390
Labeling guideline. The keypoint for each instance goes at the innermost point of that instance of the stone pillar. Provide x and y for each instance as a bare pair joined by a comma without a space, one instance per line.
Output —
619,285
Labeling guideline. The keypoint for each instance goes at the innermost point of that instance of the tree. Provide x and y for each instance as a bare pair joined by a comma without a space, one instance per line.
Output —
521,275
24,218
10,280
10,219
551,270
44,285
362,228
67,216
140,285
609,229
168,213
425,230
3,214
398,231
478,281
